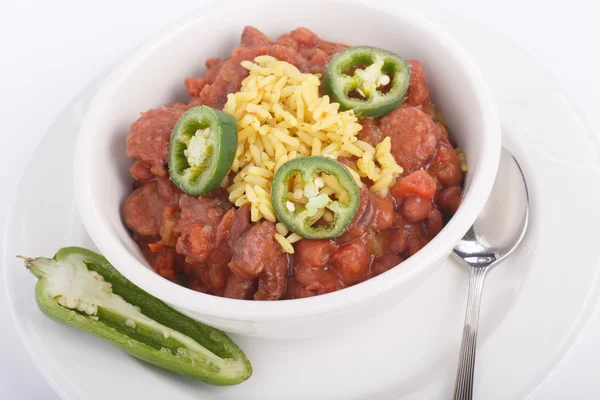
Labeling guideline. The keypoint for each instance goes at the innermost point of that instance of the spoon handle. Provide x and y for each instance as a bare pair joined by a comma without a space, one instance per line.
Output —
463,388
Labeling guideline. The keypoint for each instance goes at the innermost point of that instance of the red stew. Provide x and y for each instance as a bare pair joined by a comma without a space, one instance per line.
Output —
210,246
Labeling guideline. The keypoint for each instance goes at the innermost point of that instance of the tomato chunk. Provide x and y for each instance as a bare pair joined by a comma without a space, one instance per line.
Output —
196,243
315,252
164,264
418,183
351,262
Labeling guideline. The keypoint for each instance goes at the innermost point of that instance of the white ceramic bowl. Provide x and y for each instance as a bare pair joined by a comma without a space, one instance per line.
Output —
153,75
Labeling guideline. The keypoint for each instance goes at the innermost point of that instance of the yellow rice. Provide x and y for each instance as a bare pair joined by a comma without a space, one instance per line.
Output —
281,116
462,159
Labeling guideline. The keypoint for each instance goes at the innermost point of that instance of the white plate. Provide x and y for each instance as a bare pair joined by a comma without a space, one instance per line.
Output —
534,305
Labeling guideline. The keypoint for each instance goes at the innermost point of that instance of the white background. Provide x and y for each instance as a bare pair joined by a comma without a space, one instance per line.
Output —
49,50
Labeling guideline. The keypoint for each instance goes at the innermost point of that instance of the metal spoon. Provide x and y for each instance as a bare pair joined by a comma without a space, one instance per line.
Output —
495,234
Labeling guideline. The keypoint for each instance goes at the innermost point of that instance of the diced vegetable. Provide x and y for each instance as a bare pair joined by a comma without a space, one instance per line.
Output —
418,183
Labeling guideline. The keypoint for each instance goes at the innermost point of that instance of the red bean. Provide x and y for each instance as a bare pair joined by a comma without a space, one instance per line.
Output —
252,37
289,55
385,263
396,239
202,273
297,291
318,61
196,285
218,276
370,132
240,288
448,199
183,267
385,213
445,166
415,243
434,223
415,209
305,37
164,264
140,172
362,219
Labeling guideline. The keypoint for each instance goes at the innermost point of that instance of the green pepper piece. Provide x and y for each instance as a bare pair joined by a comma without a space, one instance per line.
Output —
82,289
300,220
361,90
202,149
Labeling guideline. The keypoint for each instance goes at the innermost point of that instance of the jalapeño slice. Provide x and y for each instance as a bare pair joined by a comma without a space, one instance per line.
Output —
368,80
202,149
299,209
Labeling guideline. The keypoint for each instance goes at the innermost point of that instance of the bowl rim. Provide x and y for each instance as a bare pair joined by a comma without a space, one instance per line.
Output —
219,307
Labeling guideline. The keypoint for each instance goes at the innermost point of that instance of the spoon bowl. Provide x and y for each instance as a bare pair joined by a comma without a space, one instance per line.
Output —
496,233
